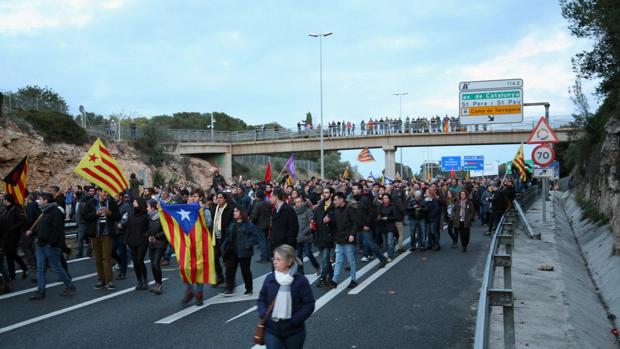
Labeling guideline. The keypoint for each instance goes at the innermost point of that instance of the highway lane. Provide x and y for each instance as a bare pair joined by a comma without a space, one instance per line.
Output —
425,300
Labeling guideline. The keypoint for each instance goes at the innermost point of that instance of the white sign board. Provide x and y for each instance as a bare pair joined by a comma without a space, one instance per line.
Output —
491,102
544,172
490,169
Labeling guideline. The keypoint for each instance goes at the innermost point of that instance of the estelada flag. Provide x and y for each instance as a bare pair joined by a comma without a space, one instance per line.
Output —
346,174
186,229
268,172
519,163
365,156
14,183
99,167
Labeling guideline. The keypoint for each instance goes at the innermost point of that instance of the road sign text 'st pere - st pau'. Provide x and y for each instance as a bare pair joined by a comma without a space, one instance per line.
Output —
491,101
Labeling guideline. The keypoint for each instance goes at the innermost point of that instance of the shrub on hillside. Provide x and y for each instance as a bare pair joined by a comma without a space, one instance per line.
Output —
55,127
149,143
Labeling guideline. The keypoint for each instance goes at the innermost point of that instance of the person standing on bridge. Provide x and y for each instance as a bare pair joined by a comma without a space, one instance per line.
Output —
285,302
463,217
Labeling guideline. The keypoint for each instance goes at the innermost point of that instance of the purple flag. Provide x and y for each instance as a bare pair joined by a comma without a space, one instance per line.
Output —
290,165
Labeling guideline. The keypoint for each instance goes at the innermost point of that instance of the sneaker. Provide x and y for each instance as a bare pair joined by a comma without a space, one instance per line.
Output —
164,262
68,291
389,260
331,284
227,293
140,287
321,283
116,267
247,293
364,259
99,286
156,289
110,286
352,284
412,249
382,265
36,296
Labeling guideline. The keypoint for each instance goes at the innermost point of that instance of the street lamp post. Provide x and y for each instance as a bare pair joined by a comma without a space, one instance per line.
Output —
320,36
400,116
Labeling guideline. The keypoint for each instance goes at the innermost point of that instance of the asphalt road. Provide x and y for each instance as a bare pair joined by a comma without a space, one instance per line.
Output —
422,300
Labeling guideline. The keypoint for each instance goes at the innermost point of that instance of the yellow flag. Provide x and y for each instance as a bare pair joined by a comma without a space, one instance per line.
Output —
99,167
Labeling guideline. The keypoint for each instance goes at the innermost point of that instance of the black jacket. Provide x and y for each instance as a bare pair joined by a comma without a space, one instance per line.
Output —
345,224
90,218
284,227
51,227
15,222
388,217
367,212
416,209
325,233
227,218
155,230
244,236
137,225
261,214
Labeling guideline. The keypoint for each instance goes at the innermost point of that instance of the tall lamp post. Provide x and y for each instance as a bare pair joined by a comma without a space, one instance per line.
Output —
320,36
400,116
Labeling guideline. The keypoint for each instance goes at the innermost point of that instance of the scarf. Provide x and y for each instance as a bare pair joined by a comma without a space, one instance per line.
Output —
217,222
462,206
283,307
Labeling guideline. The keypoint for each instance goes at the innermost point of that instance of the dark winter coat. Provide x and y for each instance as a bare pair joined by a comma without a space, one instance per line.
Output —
345,224
15,222
155,230
302,307
416,209
284,227
304,216
325,233
261,214
137,225
244,235
469,214
90,218
388,217
51,227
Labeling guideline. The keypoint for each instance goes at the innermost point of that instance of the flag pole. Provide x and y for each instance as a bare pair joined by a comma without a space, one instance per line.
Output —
280,174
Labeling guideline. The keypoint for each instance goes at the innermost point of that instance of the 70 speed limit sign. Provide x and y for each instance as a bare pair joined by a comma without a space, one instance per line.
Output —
543,155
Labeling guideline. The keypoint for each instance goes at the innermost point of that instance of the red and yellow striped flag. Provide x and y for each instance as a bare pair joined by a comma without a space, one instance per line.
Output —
99,167
519,163
14,183
186,229
365,156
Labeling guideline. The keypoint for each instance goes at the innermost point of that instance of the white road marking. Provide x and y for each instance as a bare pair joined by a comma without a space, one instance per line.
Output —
53,284
219,299
378,273
66,310
311,278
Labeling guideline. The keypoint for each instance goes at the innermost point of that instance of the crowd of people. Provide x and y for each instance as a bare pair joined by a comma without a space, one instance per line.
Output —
337,219
387,125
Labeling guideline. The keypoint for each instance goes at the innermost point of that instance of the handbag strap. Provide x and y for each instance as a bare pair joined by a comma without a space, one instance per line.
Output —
262,321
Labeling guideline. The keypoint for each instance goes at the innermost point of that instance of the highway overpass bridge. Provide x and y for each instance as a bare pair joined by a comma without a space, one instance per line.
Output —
221,148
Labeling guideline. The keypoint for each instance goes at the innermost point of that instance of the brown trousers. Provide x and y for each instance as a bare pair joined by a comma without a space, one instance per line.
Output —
102,250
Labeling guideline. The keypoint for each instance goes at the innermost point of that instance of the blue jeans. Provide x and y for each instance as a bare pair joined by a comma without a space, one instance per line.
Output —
388,239
371,245
433,234
360,236
306,247
263,244
326,267
294,341
81,239
119,252
418,233
342,251
51,256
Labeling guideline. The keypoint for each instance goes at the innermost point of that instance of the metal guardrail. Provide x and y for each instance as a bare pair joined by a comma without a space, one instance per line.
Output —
523,220
490,295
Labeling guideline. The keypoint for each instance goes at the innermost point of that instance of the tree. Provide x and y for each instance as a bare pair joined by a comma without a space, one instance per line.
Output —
333,166
33,97
309,118
149,143
598,20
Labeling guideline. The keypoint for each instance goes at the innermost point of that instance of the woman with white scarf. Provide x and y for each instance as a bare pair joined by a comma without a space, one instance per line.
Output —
293,302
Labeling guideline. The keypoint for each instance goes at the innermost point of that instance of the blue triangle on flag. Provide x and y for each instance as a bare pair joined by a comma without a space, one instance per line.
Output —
185,214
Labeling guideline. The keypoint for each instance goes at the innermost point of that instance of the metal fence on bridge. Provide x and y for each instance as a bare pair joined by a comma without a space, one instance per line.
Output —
193,135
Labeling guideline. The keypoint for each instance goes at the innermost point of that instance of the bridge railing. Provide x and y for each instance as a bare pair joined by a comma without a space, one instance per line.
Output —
267,134
490,294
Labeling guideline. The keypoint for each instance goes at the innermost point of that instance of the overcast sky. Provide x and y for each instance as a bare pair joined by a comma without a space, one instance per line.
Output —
254,59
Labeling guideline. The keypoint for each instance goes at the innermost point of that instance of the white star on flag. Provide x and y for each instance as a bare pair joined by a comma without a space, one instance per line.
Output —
184,214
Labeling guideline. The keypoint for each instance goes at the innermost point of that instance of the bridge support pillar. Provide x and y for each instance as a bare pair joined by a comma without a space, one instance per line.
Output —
390,161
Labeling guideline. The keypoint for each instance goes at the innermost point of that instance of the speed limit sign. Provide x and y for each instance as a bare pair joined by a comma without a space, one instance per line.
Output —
543,155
